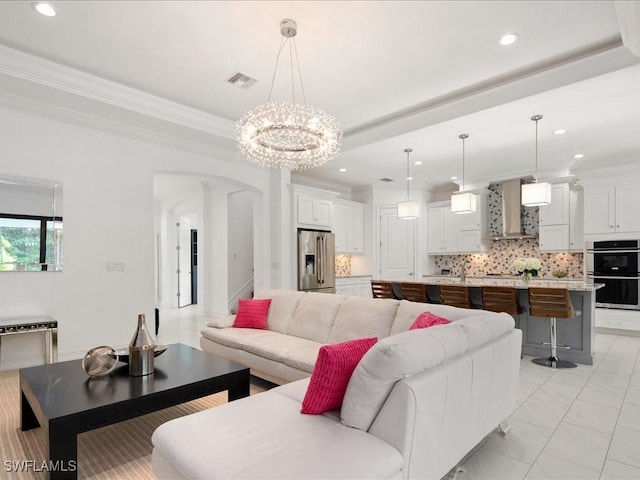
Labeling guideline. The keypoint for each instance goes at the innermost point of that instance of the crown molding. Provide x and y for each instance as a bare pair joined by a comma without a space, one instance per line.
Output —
311,182
599,59
628,15
49,74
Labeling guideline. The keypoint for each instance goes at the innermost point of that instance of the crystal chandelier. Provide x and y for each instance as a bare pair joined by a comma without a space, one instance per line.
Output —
287,134
408,210
463,202
536,194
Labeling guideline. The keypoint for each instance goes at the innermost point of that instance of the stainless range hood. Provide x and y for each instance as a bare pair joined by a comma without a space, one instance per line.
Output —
511,212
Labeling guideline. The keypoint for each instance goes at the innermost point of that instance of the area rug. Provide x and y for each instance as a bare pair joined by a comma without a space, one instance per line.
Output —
118,451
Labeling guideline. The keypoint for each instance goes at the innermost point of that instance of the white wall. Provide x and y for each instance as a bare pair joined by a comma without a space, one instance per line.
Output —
108,216
240,248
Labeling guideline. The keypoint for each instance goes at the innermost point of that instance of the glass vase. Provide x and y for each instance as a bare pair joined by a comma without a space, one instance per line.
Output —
526,277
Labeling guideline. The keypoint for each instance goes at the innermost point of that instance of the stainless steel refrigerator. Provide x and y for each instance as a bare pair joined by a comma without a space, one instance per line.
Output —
316,261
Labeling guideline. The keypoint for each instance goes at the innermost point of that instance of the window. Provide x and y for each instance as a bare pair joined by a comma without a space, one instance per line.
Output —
30,243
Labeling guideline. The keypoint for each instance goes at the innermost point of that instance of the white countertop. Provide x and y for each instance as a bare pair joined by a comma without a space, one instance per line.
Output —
505,281
354,276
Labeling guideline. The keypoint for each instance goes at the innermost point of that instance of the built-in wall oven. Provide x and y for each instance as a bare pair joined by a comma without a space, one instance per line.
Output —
615,264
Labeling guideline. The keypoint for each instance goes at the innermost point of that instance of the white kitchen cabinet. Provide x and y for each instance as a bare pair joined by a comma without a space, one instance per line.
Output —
558,212
470,241
561,223
339,226
443,228
451,233
627,203
314,212
348,226
348,290
554,238
355,230
472,221
576,220
599,208
354,286
435,227
617,319
612,209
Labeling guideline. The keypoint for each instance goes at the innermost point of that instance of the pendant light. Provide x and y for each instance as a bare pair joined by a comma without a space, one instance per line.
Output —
288,134
461,201
408,209
536,194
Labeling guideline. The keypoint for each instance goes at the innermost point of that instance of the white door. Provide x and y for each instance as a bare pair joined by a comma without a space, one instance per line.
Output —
397,246
184,262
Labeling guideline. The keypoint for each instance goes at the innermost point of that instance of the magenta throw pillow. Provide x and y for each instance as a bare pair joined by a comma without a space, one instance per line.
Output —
331,374
428,319
252,313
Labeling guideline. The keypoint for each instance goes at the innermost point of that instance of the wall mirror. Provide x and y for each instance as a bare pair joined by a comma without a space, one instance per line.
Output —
30,224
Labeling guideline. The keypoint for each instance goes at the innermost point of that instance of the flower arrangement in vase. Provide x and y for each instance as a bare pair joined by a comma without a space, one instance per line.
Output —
527,267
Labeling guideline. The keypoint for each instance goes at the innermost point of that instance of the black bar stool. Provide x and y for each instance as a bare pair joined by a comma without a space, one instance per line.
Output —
552,303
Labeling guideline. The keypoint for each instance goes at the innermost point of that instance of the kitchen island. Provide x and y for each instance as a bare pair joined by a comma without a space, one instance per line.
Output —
577,333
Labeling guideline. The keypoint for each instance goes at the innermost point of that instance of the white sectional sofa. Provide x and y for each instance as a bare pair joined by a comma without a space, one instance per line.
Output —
299,323
416,404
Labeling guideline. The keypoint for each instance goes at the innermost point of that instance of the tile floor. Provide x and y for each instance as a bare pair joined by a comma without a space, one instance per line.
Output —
581,423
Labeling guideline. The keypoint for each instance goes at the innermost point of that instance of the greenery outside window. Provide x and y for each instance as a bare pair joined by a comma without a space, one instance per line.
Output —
30,243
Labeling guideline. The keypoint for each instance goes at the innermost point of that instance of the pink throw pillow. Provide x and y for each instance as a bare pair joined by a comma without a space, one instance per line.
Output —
331,374
428,319
252,313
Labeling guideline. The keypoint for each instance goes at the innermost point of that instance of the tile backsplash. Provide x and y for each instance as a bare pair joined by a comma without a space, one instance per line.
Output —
528,215
343,265
501,255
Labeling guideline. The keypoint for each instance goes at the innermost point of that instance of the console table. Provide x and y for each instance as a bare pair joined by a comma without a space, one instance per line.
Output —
19,325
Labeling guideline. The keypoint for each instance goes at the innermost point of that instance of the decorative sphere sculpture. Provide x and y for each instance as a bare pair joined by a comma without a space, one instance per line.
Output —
99,361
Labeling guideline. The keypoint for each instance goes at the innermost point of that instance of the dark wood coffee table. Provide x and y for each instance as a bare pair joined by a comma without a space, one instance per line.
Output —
65,401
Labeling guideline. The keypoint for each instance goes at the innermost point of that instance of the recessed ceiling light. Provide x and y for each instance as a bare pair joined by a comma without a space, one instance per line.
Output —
342,170
409,178
417,162
44,8
454,178
559,131
578,155
509,38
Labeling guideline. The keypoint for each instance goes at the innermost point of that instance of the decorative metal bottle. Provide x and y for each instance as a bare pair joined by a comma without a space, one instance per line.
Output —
141,352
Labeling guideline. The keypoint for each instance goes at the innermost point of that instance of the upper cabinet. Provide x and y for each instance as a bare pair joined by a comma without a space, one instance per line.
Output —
314,212
612,209
471,221
348,226
451,233
576,220
561,223
558,212
443,229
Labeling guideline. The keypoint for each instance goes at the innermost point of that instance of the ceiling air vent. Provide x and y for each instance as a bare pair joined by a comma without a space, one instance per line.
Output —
386,180
241,80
